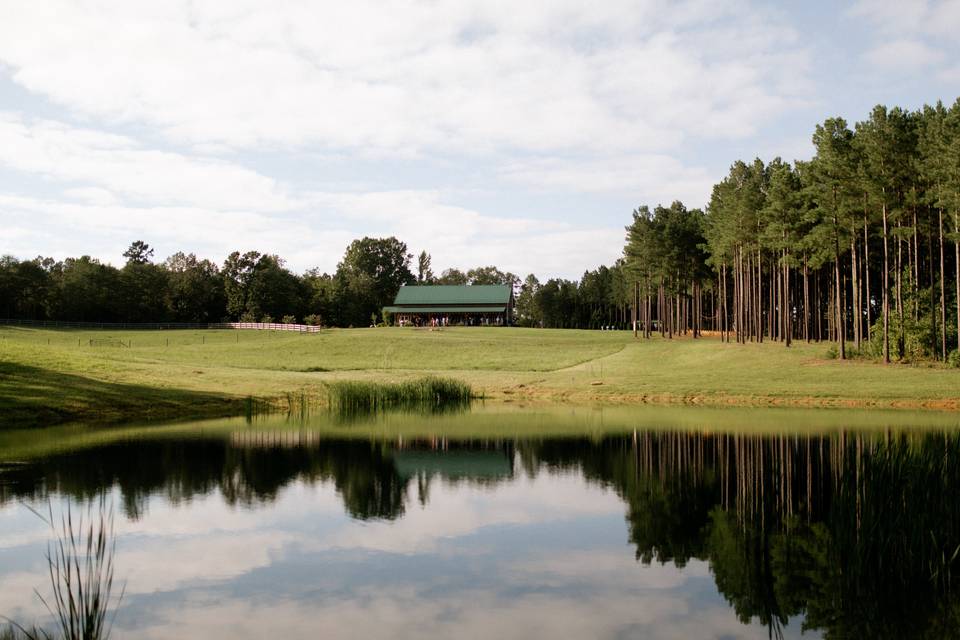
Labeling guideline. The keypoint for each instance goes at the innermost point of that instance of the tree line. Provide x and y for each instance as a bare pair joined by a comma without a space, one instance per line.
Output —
248,287
852,246
258,287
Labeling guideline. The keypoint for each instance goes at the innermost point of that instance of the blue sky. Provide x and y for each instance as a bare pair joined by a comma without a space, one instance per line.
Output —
515,134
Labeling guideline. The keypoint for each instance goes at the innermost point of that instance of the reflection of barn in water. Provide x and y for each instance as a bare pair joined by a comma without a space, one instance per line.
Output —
481,462
470,460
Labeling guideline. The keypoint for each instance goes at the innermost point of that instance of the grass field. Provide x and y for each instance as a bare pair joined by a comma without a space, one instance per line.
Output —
49,376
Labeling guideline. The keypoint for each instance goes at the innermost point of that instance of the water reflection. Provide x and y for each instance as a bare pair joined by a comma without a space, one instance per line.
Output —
848,534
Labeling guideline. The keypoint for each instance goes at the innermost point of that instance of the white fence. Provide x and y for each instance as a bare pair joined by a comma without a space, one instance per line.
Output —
266,326
154,326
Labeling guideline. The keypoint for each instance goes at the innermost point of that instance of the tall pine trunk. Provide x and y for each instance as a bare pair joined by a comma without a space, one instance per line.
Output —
943,292
900,310
886,290
841,337
838,302
866,273
855,291
806,301
787,315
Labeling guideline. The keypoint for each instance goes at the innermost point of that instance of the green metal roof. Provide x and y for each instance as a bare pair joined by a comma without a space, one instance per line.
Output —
453,294
442,309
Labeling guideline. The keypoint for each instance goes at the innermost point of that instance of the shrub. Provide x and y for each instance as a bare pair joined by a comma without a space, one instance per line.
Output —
911,342
314,320
953,359
288,319
266,319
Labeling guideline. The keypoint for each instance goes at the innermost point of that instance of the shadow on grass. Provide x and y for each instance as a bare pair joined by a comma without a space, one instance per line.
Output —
33,396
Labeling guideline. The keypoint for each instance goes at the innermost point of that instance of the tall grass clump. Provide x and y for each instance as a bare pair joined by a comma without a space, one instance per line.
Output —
431,393
80,568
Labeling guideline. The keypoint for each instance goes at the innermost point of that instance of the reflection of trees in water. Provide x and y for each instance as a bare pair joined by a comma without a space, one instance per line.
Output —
362,473
858,532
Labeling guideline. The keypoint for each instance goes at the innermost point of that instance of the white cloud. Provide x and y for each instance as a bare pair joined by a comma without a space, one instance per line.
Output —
648,177
119,164
904,55
909,35
408,76
931,17
892,15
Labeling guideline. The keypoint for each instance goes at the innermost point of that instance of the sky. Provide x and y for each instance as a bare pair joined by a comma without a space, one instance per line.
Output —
518,134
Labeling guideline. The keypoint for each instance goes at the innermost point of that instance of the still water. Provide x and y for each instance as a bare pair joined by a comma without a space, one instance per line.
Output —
506,522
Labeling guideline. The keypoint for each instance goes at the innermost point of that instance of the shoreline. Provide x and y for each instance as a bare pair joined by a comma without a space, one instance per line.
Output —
296,403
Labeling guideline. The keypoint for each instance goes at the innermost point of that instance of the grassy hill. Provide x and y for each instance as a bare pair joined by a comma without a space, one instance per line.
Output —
49,376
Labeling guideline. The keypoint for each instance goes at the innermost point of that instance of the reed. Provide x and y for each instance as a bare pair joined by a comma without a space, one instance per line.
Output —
80,568
432,393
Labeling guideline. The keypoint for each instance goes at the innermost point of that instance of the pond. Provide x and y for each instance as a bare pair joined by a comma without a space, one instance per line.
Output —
507,522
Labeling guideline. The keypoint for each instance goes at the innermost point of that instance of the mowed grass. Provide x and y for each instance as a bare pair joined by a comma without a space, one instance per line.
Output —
710,371
337,349
56,375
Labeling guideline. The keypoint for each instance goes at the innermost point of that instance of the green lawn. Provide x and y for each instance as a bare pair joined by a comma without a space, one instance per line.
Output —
49,376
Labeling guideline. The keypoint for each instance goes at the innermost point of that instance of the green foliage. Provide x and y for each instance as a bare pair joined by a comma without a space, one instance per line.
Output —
88,291
369,276
453,276
953,359
259,284
913,339
490,275
424,271
195,290
288,319
598,300
139,252
314,320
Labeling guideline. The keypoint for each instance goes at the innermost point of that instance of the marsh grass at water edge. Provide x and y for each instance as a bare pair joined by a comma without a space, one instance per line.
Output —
431,393
81,572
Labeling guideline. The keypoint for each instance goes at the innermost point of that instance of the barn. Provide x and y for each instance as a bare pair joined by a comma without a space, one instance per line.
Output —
442,305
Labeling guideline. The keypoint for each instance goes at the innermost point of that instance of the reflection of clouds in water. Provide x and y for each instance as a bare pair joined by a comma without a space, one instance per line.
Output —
455,511
17,598
605,569
468,614
170,564
209,514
